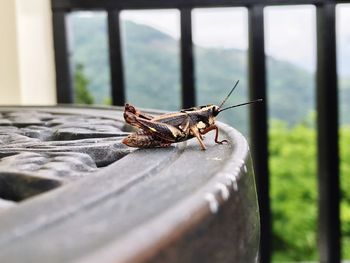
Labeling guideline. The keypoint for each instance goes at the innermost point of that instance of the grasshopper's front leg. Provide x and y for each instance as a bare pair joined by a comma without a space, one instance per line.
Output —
214,127
196,133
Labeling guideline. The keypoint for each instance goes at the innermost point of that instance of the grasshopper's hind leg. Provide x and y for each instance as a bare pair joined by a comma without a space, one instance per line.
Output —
129,108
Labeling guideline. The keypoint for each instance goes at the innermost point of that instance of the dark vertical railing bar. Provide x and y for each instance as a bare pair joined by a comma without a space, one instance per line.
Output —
115,58
327,127
64,85
187,64
258,123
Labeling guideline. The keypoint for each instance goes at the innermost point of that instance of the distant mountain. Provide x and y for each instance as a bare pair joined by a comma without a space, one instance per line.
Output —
152,73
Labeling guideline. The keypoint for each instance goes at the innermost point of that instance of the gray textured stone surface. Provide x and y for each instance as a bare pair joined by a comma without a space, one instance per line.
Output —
5,204
55,165
41,150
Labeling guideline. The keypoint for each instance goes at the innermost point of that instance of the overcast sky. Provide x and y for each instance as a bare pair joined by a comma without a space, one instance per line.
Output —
290,30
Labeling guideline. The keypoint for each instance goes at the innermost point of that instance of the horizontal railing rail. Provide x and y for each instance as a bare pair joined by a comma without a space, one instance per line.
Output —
326,90
68,5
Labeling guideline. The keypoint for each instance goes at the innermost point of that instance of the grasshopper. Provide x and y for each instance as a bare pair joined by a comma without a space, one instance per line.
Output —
166,129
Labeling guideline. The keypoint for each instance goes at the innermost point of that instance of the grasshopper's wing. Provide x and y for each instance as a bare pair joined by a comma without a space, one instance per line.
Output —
161,130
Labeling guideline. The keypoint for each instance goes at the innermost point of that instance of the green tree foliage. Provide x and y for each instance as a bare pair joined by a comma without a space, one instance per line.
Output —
81,92
294,191
345,186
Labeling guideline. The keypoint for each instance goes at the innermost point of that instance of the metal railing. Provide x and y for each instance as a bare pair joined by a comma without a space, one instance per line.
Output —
326,90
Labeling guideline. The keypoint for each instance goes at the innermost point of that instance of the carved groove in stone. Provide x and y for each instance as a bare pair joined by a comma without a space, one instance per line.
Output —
40,151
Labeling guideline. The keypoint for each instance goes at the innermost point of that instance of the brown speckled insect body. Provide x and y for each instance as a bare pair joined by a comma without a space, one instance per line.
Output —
166,129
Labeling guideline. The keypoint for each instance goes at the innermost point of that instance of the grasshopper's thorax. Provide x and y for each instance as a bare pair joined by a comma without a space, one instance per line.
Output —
203,117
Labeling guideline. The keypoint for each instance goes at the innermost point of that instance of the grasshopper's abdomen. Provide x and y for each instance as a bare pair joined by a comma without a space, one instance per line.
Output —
141,140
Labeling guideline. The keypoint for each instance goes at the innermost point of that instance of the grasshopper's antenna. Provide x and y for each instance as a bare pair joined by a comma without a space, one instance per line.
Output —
234,106
223,102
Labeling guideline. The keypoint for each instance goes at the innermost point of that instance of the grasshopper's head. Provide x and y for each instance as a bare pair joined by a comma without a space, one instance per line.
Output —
216,110
210,110
205,115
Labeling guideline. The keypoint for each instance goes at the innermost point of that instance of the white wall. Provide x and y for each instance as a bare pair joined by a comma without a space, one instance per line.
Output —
27,73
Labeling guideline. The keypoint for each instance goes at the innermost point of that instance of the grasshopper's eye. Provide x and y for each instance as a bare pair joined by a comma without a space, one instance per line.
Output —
216,110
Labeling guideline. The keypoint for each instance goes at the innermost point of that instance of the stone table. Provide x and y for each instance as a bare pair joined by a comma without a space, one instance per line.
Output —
71,191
